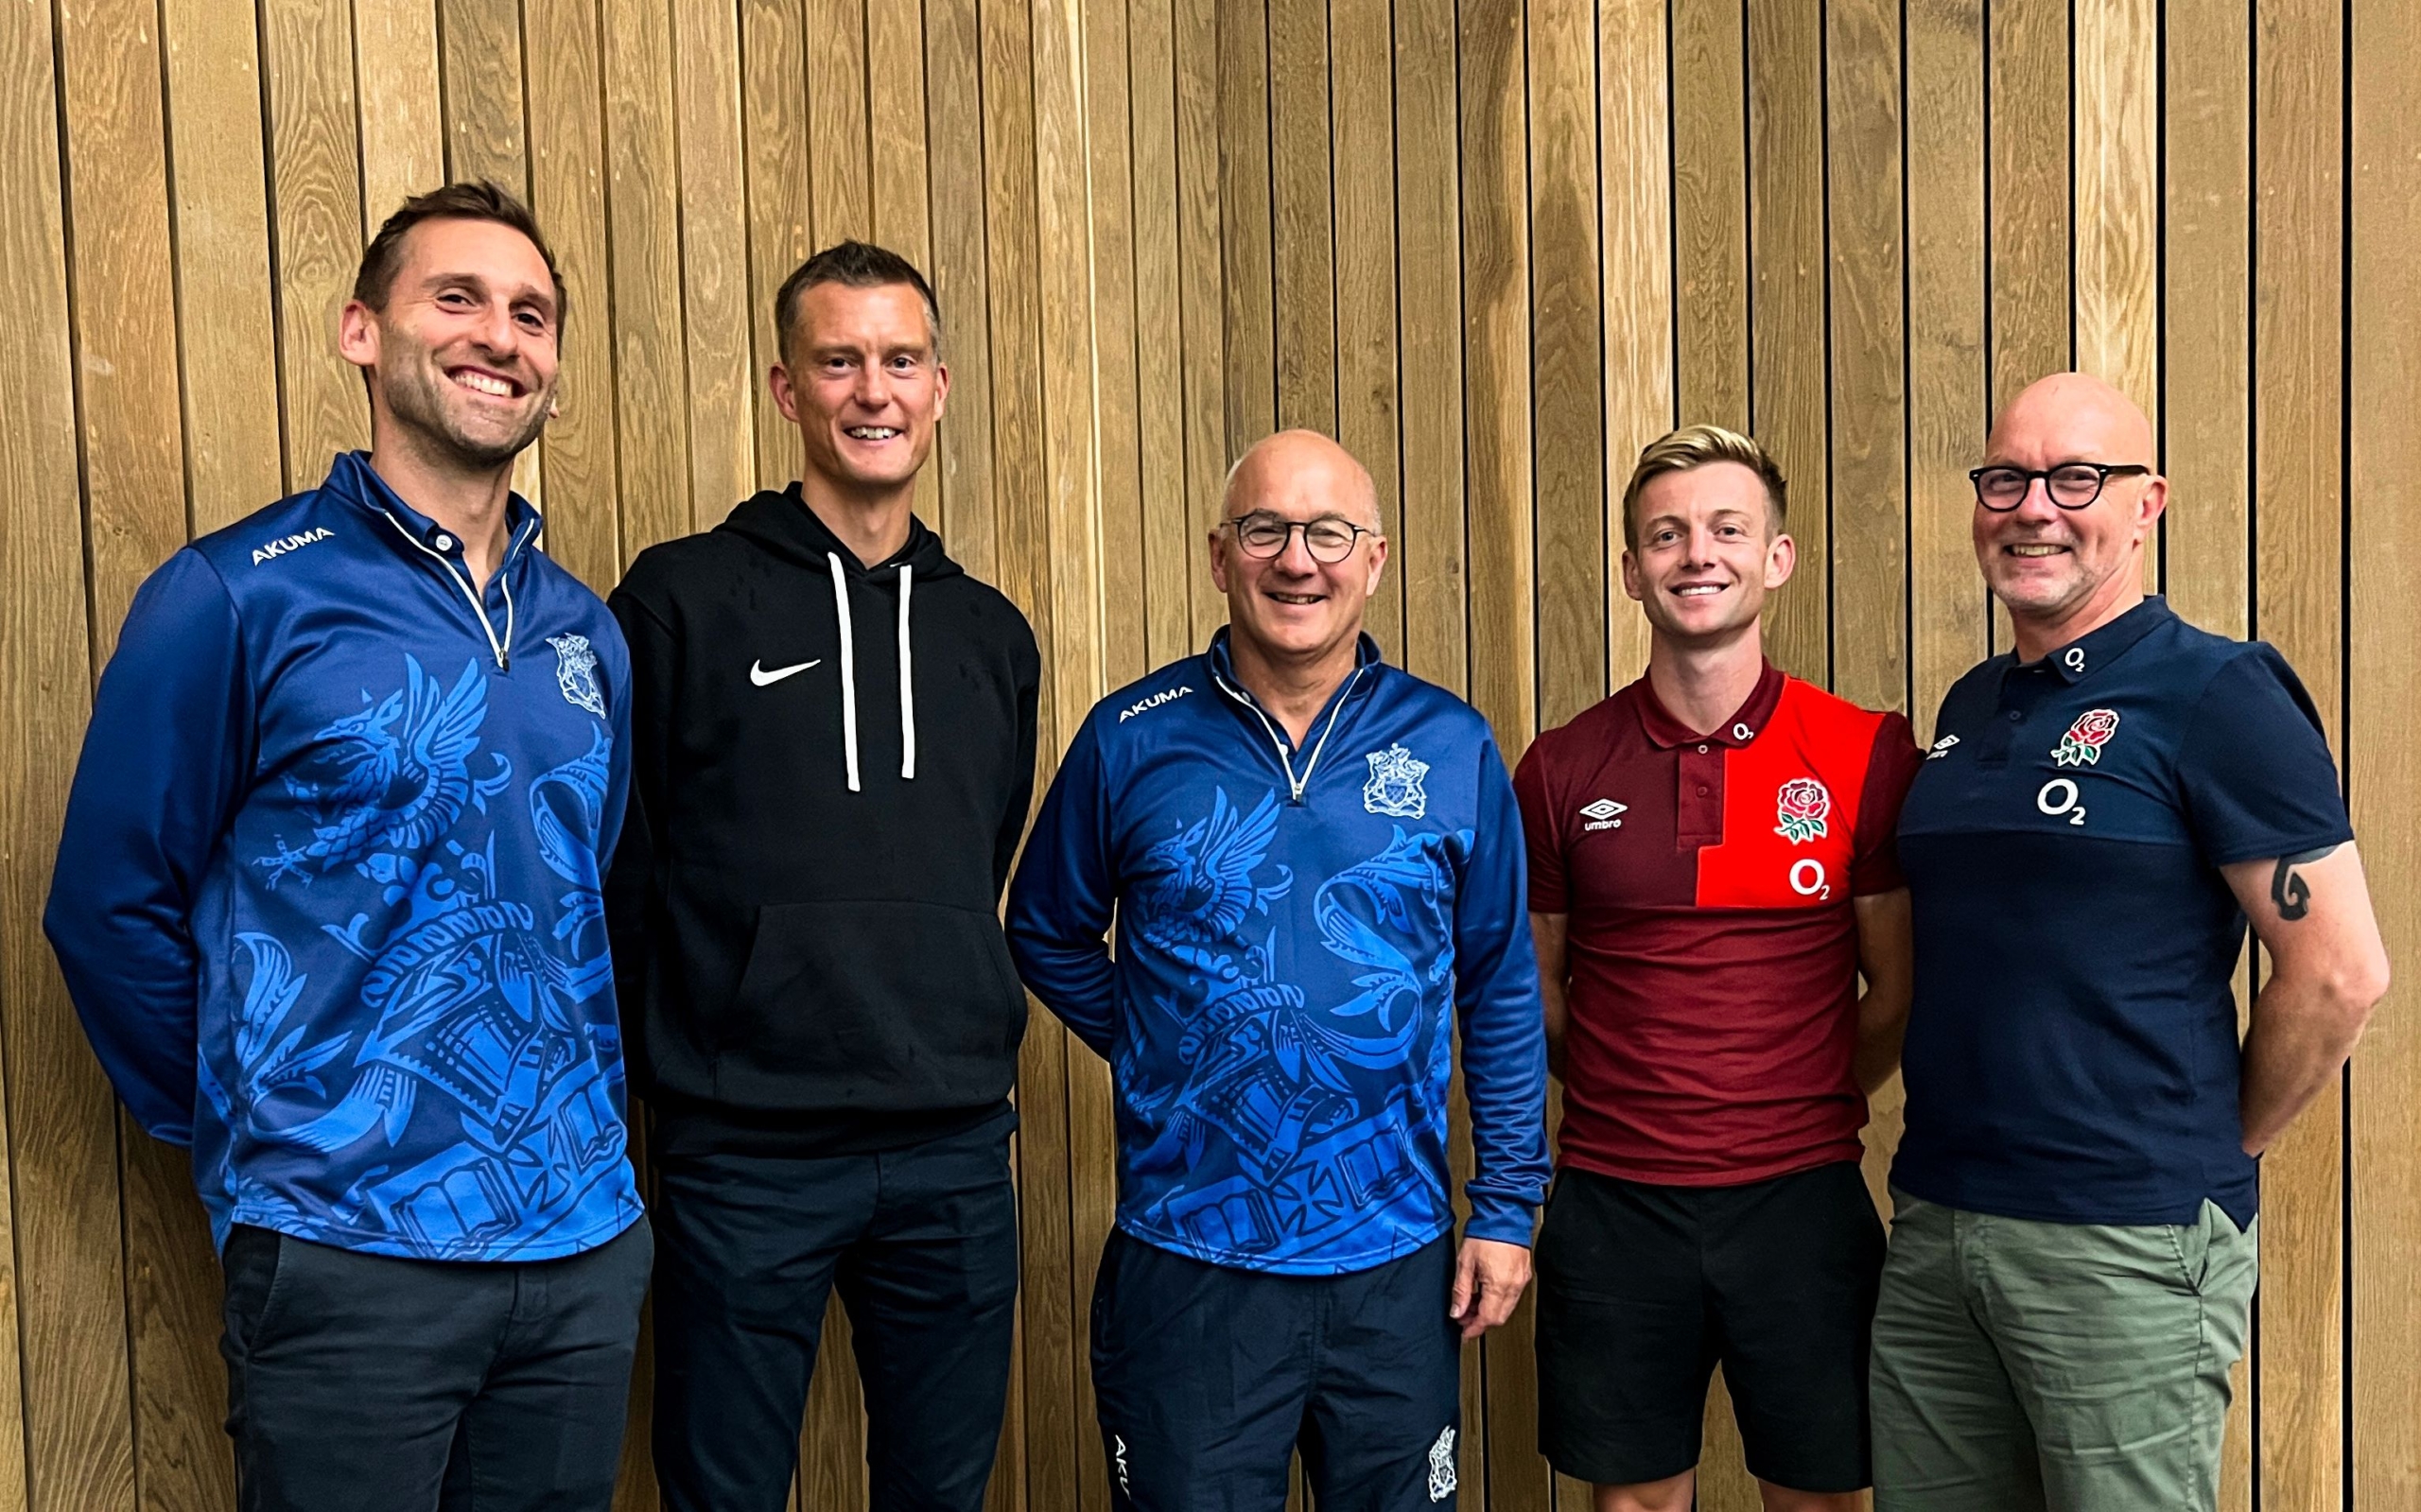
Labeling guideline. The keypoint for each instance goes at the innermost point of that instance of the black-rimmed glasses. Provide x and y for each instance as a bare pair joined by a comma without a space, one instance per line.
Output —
1329,539
2070,485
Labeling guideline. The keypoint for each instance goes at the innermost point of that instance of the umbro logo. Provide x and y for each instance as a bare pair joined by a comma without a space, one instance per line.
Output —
1146,704
1602,814
758,675
290,543
1942,748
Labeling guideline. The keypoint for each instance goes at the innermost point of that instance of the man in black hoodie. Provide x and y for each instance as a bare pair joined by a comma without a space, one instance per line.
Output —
803,911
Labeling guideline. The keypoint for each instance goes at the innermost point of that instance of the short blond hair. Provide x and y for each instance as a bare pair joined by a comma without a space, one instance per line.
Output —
1696,447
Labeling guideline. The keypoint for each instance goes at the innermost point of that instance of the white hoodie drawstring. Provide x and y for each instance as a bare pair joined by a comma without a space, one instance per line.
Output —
849,674
848,667
907,687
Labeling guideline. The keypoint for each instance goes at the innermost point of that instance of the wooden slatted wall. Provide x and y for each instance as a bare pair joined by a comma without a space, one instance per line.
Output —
1495,245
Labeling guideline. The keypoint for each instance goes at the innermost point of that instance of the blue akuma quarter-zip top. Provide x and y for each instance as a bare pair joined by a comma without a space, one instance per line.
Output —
328,895
1301,931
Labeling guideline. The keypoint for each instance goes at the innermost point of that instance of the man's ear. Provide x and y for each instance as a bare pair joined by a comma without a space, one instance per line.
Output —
1632,584
1782,560
357,334
777,378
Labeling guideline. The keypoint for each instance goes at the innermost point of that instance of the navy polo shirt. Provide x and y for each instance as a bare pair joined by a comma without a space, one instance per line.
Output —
2072,1050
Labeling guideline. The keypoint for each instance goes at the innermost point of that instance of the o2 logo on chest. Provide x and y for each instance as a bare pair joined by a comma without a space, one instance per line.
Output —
2059,796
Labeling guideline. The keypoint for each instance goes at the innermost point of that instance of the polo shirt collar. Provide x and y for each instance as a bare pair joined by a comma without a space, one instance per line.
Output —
353,476
2078,659
1667,732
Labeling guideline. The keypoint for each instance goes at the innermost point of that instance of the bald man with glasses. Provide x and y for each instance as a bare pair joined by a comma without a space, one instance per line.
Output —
2103,810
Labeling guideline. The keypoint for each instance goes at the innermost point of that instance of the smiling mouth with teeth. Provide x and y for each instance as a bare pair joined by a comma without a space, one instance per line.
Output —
870,432
486,383
1698,590
2035,548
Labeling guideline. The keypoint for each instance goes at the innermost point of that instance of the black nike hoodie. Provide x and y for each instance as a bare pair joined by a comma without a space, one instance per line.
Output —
831,769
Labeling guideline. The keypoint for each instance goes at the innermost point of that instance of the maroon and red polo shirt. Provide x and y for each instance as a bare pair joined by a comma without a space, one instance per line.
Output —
1707,879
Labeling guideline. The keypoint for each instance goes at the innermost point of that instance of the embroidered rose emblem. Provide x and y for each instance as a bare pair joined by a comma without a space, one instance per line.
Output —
1803,805
2081,746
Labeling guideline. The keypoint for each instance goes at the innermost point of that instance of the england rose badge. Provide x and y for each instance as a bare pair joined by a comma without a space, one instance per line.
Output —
2081,746
1803,805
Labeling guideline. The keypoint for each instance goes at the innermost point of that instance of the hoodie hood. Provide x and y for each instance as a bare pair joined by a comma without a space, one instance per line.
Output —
782,523
779,520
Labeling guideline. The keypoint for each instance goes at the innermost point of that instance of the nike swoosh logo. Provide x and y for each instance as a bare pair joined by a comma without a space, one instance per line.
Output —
762,678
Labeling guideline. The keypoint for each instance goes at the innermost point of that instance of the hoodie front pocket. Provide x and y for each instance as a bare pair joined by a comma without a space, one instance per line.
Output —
872,1005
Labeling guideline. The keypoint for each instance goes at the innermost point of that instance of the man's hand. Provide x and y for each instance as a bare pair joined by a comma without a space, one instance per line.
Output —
1488,1278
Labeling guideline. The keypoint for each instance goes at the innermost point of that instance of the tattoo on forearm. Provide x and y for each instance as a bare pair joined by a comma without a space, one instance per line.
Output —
2287,888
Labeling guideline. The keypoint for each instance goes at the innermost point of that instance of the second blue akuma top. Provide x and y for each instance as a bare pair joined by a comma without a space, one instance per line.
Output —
328,896
2072,1050
1299,932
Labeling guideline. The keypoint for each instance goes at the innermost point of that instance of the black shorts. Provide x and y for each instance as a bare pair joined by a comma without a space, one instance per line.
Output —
1208,1378
1642,1289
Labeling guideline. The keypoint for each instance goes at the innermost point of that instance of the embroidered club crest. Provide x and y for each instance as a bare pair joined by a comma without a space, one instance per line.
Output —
1394,787
2081,746
1803,805
1441,1466
576,673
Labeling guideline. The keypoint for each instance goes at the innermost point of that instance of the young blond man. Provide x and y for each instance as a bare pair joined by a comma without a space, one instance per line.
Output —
1711,872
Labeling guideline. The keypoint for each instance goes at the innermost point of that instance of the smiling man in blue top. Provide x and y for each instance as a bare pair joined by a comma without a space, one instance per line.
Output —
1314,864
2103,810
328,901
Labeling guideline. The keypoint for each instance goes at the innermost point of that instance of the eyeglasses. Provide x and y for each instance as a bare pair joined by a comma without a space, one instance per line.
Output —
1329,540
2070,485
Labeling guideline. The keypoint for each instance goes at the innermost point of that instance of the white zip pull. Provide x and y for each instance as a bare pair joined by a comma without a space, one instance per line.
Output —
500,649
1295,787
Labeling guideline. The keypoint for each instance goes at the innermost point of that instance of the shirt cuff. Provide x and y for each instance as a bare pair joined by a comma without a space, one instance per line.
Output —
1504,1220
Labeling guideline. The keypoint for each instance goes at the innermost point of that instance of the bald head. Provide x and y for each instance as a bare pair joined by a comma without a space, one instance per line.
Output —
1304,467
2070,417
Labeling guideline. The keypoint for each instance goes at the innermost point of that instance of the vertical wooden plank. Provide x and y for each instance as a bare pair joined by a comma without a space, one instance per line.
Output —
1303,235
1202,240
121,319
643,231
1245,240
1496,368
1567,360
44,683
1636,128
1013,255
2206,418
1949,393
1710,213
1363,148
774,108
722,387
2382,773
567,152
1498,475
954,131
1430,556
1097,546
2031,316
315,201
2206,423
1786,324
220,198
2117,133
2298,112
403,131
485,130
1167,528
1869,482
838,142
901,193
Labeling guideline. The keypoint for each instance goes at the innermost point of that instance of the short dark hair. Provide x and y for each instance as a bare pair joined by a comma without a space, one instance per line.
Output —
852,265
475,200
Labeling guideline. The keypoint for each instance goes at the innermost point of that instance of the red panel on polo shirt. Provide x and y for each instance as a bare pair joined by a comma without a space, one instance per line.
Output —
1712,948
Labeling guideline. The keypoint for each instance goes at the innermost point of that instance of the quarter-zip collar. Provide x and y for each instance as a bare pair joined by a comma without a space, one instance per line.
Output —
353,478
1366,659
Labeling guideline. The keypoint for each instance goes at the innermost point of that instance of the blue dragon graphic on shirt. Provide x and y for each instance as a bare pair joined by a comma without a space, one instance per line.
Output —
474,1111
1271,1143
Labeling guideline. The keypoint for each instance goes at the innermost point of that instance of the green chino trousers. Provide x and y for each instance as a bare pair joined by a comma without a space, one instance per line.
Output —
2024,1367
